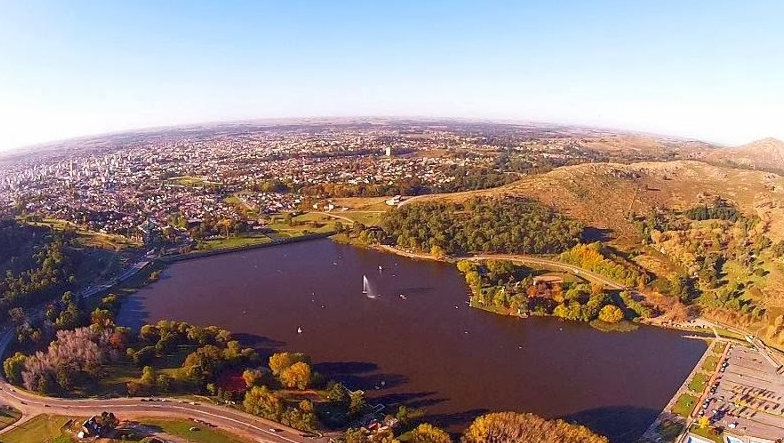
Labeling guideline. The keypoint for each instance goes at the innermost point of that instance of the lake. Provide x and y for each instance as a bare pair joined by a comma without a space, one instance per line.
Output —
430,349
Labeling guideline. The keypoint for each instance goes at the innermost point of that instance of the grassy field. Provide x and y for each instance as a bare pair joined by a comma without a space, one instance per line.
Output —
181,428
89,238
42,428
118,374
187,180
304,224
707,433
685,405
234,242
710,363
52,429
8,416
719,347
698,383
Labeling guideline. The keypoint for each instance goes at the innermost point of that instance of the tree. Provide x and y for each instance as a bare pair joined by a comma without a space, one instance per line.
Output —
438,252
297,375
338,394
144,355
13,367
148,377
260,401
427,433
357,403
501,427
252,377
282,360
102,317
611,314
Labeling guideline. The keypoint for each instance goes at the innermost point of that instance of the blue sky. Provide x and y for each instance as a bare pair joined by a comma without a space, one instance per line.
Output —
712,70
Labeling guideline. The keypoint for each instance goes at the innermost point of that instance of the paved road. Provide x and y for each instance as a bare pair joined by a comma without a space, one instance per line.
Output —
524,259
244,425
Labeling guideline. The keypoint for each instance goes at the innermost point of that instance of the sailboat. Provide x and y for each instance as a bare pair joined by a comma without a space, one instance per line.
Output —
365,285
299,330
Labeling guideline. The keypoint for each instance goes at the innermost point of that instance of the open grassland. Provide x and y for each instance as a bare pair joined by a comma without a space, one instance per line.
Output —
42,428
89,238
303,224
234,242
603,194
181,428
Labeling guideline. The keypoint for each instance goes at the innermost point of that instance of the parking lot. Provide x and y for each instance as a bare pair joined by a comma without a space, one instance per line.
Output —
747,398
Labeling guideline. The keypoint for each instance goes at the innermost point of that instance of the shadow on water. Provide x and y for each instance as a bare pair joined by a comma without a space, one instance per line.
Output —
264,345
360,375
454,420
621,424
134,313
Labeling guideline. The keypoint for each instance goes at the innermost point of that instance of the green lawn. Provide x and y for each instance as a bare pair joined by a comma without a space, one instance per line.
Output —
707,433
718,347
307,223
8,416
42,428
234,242
364,217
698,383
710,363
121,372
685,405
181,428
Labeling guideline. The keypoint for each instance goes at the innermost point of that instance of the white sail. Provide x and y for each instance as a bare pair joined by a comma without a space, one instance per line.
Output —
365,285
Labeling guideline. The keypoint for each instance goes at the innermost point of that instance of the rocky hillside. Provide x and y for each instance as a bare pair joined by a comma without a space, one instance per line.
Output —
766,154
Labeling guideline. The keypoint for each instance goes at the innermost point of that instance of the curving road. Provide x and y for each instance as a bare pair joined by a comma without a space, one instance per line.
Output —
250,427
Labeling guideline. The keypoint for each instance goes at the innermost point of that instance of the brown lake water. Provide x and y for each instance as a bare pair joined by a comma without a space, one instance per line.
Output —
431,350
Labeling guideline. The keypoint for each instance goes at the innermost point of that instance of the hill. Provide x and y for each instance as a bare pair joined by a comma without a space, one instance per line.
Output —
625,203
603,195
766,154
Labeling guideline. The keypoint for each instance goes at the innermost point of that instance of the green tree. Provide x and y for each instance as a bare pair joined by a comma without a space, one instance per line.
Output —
260,401
427,433
611,314
13,367
297,375
502,427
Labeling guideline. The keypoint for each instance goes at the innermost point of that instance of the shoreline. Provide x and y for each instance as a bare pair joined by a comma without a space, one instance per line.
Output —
202,254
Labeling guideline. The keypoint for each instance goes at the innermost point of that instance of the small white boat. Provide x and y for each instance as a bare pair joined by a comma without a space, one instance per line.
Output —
299,330
403,296
380,268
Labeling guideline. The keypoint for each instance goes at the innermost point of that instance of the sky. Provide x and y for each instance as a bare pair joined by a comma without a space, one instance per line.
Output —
706,69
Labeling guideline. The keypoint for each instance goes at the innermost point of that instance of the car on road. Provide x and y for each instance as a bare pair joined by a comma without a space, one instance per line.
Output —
275,430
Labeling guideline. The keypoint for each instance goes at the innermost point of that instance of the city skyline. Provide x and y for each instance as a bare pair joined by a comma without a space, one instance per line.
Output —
706,71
